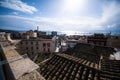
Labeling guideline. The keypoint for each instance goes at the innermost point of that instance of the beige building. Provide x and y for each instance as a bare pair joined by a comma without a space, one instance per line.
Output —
37,46
2,36
5,38
29,34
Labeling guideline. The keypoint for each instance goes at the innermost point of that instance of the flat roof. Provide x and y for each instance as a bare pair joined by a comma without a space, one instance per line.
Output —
19,65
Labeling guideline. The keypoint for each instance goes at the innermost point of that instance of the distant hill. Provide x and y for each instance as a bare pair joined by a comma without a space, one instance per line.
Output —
8,31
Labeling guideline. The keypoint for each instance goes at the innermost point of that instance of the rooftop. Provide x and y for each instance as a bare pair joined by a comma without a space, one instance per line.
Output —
66,67
21,66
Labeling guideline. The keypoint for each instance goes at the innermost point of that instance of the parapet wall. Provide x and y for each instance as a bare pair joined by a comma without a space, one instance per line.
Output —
17,67
8,75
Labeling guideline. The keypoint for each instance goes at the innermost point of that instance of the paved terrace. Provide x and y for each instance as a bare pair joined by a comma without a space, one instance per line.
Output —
21,66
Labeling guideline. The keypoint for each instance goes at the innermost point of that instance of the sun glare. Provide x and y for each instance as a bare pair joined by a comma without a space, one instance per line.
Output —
73,5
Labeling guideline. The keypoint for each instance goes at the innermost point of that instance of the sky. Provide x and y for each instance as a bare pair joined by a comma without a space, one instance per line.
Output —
61,15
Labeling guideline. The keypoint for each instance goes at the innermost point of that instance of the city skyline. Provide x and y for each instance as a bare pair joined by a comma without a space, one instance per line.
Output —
59,39
60,15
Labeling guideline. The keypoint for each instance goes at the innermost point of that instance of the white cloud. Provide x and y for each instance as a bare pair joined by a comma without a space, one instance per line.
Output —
58,24
111,15
18,5
109,20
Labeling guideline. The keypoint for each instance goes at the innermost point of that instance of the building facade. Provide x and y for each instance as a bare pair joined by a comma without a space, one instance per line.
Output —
37,46
97,39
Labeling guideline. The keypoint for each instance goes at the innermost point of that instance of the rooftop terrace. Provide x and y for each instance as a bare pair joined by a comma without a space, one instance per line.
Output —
21,67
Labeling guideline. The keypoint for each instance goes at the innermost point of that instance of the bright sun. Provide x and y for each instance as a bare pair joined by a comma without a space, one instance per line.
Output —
73,5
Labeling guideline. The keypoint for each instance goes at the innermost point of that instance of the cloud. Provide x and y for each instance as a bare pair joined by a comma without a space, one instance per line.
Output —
58,24
108,21
111,16
18,5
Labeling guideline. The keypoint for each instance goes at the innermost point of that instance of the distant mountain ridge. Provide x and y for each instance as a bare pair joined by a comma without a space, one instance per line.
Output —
8,31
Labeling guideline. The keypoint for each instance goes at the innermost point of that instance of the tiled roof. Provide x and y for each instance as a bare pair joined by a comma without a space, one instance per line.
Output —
66,67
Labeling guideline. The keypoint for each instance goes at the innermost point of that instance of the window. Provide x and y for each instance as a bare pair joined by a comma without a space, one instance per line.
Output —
43,49
44,44
48,49
31,48
21,42
27,48
31,42
48,44
37,48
